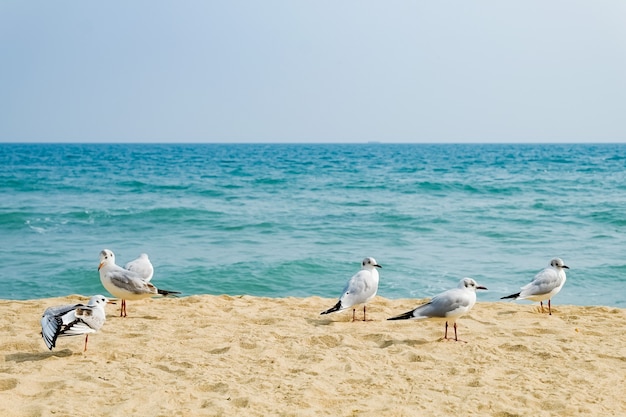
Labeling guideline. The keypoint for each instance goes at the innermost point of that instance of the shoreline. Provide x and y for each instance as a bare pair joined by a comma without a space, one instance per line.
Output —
244,355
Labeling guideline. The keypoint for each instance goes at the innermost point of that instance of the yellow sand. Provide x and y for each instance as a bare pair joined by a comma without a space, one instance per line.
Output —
248,356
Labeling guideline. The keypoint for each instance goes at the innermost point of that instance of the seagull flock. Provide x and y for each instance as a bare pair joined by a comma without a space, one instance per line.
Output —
451,304
129,283
132,282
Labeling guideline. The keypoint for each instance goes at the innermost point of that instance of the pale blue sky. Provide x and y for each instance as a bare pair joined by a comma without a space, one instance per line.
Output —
313,71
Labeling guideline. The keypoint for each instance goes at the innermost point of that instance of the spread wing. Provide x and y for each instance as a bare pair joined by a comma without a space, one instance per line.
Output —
52,322
50,329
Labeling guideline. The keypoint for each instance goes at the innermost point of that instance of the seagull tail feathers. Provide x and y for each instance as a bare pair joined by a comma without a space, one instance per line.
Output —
166,293
334,308
510,296
405,316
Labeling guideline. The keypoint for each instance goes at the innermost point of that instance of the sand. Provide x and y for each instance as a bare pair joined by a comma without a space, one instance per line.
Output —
248,356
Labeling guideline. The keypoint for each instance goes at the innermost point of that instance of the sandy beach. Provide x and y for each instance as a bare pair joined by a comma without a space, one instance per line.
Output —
227,356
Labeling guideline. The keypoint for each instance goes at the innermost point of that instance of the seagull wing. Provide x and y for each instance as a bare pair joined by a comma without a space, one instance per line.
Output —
52,323
90,316
544,282
359,289
130,281
447,304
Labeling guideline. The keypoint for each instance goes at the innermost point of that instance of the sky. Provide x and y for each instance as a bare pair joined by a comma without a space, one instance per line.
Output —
313,71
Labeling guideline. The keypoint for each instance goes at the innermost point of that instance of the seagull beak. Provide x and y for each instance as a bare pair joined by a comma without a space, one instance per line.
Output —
565,266
111,302
100,266
378,266
480,287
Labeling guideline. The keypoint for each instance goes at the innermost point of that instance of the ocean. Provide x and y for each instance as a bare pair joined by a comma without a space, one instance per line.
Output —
281,220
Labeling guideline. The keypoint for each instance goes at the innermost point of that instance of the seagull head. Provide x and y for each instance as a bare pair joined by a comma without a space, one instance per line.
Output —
369,263
469,283
97,300
558,263
106,257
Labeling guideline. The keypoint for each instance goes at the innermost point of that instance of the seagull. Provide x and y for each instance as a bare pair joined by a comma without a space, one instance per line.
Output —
447,306
545,285
125,284
141,266
73,320
361,288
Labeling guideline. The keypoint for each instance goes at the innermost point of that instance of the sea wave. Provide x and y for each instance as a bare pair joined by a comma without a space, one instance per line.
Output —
278,220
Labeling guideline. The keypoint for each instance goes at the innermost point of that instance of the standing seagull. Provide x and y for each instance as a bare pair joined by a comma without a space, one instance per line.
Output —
73,320
546,284
142,266
447,306
125,284
361,288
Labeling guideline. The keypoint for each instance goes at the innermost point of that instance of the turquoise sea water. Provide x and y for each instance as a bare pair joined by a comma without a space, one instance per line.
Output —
296,220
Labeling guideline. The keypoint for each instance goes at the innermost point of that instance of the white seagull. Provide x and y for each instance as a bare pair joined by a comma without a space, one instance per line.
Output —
546,284
360,289
142,266
73,320
447,306
125,284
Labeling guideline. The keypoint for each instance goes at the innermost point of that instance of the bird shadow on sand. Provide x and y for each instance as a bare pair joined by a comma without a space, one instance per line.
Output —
384,341
320,322
145,317
327,322
39,356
